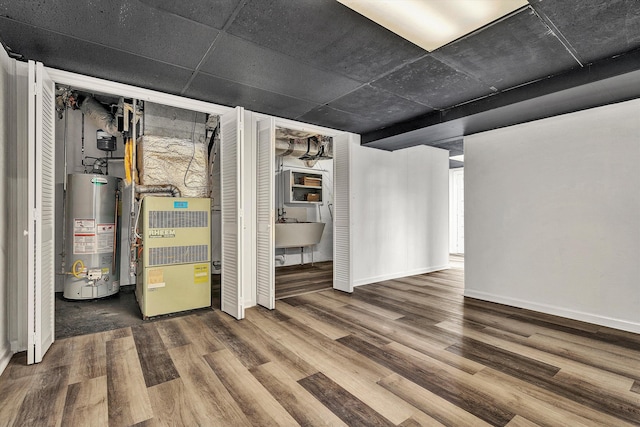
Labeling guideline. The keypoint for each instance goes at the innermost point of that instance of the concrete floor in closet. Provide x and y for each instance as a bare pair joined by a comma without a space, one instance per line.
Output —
83,317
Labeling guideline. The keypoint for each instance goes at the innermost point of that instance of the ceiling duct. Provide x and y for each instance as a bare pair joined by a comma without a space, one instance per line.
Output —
309,149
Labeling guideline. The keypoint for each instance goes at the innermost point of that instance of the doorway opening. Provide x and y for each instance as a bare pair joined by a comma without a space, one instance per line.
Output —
303,235
456,211
107,240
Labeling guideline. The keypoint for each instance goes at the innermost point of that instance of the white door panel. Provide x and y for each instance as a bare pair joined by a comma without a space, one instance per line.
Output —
342,277
265,257
231,205
41,229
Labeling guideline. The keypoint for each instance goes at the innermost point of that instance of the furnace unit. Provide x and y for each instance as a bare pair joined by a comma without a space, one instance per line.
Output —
174,256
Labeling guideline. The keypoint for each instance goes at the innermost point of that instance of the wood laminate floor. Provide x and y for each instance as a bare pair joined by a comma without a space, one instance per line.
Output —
302,279
404,352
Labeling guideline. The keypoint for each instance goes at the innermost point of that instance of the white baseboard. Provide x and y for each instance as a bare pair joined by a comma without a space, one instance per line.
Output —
398,275
5,357
596,319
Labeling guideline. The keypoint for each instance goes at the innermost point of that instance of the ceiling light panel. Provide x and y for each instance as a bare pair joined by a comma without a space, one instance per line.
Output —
431,24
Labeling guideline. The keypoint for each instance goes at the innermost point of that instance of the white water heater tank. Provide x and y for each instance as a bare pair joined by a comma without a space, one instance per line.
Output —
91,249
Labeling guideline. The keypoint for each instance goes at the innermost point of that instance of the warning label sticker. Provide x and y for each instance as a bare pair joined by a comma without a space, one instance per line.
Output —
201,273
106,235
84,236
155,278
84,225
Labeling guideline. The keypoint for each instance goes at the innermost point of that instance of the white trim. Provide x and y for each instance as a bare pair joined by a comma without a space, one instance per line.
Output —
79,81
370,280
557,311
5,358
301,126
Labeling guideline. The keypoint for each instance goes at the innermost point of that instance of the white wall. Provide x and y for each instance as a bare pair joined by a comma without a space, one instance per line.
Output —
553,215
399,212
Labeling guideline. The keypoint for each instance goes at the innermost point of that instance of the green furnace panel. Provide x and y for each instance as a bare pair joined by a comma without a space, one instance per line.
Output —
173,267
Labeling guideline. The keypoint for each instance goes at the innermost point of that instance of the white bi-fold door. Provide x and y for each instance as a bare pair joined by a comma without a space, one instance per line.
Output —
232,211
342,277
41,206
265,254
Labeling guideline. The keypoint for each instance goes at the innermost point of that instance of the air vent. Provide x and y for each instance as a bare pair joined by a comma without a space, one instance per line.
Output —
178,219
178,255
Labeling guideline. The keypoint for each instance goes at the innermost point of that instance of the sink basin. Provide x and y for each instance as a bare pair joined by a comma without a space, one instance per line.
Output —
298,234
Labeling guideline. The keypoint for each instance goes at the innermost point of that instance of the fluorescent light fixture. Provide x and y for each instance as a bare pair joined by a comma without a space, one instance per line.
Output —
431,24
459,158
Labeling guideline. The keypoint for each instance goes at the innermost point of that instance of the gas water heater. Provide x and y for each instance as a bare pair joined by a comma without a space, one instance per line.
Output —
91,236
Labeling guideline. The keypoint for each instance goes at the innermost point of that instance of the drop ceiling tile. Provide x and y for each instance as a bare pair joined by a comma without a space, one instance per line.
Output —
127,25
376,104
511,52
332,118
430,82
596,29
325,34
213,13
455,147
66,53
454,164
249,64
226,92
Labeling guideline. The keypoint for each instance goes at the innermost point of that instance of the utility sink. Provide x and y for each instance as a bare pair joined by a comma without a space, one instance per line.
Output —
298,234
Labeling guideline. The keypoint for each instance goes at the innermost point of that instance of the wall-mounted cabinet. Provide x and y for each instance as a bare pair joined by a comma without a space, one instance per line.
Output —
301,186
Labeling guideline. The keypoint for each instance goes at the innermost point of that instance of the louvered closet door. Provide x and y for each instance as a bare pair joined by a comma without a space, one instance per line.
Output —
342,279
265,264
41,230
231,204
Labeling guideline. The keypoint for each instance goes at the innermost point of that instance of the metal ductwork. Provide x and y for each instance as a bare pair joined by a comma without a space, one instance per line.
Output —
312,148
96,112
158,190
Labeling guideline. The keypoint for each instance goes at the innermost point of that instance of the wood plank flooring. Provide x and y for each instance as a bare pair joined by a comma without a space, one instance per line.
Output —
406,352
294,280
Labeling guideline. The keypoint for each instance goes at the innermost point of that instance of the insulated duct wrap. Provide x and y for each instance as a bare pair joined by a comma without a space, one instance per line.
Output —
99,115
179,162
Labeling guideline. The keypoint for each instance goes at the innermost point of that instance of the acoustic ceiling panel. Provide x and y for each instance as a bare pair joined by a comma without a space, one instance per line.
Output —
379,105
455,148
430,82
332,118
227,92
326,34
517,50
82,57
127,25
596,29
214,13
247,63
